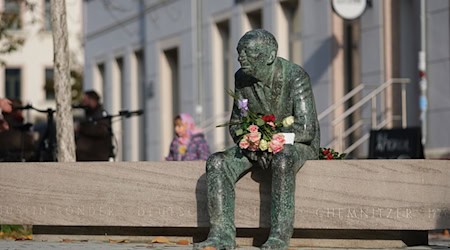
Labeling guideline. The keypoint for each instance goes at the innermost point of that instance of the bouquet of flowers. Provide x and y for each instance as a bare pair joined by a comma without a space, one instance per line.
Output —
330,154
258,132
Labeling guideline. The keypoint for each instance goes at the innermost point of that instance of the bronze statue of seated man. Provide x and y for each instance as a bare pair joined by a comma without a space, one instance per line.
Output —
269,85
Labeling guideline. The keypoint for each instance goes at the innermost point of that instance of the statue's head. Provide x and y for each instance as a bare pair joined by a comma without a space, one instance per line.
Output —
257,50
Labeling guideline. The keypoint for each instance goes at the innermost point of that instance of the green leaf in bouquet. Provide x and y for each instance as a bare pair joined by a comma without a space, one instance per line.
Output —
239,132
266,137
223,125
260,122
231,93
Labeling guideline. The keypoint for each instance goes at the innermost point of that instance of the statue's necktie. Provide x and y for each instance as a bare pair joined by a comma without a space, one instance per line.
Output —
263,94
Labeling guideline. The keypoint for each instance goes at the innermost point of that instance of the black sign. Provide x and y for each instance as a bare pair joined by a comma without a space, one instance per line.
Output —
396,144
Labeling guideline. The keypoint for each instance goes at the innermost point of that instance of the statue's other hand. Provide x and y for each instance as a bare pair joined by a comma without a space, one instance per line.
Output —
263,162
251,155
264,159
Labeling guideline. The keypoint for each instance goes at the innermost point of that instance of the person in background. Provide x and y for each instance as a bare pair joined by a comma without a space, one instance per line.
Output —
189,143
93,135
5,107
17,143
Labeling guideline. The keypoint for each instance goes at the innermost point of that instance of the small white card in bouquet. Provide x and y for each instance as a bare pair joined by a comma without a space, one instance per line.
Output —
289,138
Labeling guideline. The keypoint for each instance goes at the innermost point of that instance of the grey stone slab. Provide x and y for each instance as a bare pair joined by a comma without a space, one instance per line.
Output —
346,194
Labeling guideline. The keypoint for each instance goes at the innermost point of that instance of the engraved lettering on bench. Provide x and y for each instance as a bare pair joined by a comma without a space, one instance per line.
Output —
367,213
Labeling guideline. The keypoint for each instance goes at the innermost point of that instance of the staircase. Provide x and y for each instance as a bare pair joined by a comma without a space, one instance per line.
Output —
372,111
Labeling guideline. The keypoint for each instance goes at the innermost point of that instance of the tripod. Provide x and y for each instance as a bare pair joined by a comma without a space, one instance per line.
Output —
46,151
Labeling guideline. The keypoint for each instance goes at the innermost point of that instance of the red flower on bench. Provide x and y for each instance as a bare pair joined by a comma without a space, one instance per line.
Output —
330,154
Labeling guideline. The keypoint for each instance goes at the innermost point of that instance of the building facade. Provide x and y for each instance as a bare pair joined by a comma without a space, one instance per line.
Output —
172,56
27,73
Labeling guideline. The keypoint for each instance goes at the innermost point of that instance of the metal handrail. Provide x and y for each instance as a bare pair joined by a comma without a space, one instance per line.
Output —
372,96
345,98
368,97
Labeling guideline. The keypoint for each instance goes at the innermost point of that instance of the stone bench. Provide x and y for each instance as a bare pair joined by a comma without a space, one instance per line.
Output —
335,200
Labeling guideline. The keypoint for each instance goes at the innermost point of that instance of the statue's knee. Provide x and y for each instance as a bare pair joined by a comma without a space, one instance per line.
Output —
215,161
283,162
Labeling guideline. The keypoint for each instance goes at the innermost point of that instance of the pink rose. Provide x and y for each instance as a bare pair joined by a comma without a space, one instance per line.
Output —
271,124
244,143
254,137
275,146
277,143
253,128
279,138
253,146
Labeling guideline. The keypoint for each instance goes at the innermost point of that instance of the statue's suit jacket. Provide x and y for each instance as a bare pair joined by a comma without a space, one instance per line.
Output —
288,93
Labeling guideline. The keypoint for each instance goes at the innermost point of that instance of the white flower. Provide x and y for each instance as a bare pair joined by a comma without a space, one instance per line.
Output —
263,145
288,121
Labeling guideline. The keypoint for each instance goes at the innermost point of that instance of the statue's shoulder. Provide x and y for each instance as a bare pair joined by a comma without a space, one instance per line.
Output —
294,72
293,69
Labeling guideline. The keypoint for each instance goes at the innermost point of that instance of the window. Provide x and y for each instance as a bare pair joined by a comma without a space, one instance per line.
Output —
225,53
118,96
49,84
173,79
225,40
47,16
11,17
76,83
140,74
291,30
13,83
100,80
255,19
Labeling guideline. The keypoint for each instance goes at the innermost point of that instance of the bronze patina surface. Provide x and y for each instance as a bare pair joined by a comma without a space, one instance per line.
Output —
272,85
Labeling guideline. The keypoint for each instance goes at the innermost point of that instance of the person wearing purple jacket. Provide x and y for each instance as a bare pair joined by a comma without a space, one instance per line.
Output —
189,143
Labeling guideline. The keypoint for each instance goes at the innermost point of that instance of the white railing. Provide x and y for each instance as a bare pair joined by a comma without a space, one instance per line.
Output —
379,117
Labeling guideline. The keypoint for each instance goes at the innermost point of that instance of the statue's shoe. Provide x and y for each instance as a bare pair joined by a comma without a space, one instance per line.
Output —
217,243
274,243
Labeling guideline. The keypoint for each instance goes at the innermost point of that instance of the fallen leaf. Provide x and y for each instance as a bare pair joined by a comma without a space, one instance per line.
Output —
209,248
160,239
183,242
119,241
67,240
21,238
446,232
1,233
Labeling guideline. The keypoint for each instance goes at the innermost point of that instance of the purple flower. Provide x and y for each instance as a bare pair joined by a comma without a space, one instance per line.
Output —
243,106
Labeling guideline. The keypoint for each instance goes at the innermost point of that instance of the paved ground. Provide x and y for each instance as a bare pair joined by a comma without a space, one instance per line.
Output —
35,245
437,241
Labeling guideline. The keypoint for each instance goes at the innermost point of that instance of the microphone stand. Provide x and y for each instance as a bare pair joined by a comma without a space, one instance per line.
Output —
121,114
47,145
46,149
